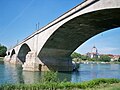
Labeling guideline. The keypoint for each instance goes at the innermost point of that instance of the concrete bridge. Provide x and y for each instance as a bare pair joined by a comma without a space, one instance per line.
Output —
50,47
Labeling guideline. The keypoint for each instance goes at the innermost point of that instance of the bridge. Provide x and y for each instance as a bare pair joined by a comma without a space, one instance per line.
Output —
50,47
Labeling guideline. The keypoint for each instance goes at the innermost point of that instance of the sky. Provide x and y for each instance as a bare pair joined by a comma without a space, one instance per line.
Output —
18,19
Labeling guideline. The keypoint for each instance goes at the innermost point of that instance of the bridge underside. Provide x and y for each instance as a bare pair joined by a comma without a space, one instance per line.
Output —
58,48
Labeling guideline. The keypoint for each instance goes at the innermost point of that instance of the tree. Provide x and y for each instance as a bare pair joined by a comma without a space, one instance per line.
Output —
105,58
3,50
84,57
75,55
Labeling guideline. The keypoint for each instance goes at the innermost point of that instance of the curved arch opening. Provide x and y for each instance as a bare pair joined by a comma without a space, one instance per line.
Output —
23,52
12,53
8,53
106,42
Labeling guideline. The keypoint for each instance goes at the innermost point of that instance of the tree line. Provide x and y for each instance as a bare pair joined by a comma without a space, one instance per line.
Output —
3,50
102,58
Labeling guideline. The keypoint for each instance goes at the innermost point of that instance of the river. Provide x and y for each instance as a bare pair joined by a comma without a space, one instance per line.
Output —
14,74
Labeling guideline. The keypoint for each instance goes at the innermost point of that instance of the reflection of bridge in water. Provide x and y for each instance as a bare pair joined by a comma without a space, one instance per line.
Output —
50,47
15,74
12,73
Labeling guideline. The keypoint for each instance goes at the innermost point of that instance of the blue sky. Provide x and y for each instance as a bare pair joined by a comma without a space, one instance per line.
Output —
18,19
107,42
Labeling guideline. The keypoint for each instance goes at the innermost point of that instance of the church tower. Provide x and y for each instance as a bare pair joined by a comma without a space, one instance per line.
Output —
94,52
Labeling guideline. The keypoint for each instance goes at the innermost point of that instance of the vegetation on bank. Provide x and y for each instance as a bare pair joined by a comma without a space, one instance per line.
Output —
96,83
115,86
3,50
103,58
49,81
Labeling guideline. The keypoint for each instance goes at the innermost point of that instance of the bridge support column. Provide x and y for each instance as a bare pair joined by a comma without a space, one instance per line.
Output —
14,59
31,62
7,58
57,64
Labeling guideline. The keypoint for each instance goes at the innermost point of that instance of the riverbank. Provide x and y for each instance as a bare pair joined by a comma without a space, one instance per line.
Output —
96,84
96,62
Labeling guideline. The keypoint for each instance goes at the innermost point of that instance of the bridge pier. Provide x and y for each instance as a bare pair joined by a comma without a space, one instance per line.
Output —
7,58
31,63
14,59
57,64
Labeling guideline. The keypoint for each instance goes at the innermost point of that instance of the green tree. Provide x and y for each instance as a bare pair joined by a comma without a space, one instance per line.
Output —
84,57
75,55
105,58
3,50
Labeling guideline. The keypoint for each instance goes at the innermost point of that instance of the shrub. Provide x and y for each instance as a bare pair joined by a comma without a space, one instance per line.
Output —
50,76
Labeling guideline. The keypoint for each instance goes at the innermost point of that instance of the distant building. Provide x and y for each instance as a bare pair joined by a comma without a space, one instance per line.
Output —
114,57
94,53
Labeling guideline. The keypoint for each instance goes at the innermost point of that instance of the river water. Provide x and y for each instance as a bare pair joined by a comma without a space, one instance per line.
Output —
14,74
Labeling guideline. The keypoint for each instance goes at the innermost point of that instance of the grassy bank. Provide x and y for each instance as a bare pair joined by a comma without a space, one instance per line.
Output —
115,86
96,84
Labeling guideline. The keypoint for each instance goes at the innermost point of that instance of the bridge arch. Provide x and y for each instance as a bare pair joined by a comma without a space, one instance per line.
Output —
12,53
68,37
23,51
8,53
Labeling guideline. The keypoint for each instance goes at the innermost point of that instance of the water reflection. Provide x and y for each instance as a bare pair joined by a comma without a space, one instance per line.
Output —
65,76
30,77
13,73
76,76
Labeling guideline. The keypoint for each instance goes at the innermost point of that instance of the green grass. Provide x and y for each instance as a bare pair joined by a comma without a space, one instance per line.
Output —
89,85
115,86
